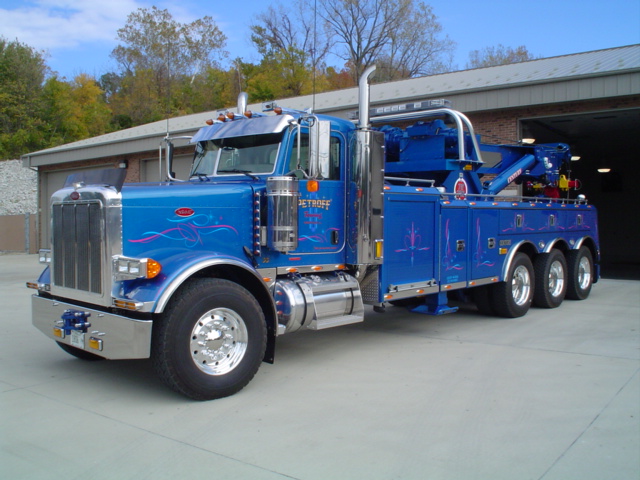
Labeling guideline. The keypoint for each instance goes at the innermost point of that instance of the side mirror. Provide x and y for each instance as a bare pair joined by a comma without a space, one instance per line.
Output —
169,153
319,145
171,176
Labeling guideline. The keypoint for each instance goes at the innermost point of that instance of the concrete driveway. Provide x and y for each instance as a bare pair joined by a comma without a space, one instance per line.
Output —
552,395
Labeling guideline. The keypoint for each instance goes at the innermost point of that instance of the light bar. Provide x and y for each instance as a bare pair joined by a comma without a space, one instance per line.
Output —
405,108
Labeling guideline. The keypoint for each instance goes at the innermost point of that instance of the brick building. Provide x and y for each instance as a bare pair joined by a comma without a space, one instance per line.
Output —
589,100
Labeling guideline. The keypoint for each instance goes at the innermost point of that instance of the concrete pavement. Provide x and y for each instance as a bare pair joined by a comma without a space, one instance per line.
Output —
552,395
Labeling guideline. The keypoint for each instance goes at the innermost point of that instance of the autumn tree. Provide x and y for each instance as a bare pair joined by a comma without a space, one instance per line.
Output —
499,55
157,54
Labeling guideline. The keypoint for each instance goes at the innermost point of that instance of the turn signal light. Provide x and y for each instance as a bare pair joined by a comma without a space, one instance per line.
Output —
153,268
313,186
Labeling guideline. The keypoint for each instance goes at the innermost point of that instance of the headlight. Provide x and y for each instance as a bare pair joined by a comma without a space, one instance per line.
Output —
44,256
125,268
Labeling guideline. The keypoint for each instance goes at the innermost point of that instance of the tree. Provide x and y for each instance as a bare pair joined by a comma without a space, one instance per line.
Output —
499,55
159,51
416,48
298,36
403,35
292,50
73,110
22,73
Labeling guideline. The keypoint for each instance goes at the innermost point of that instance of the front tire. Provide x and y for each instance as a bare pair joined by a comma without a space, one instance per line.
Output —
551,274
210,341
512,298
581,271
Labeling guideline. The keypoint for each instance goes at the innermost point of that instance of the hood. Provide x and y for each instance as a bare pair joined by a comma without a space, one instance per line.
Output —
159,220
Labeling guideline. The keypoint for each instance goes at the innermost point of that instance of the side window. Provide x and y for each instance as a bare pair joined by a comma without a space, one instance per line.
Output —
334,156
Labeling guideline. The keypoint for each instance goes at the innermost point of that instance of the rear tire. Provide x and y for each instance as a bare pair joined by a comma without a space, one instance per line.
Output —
210,341
550,271
580,273
512,298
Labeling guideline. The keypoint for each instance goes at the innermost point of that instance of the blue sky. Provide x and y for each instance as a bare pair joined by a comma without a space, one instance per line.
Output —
78,35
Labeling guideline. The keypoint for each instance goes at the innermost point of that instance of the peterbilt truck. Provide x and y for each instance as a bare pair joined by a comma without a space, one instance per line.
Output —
291,220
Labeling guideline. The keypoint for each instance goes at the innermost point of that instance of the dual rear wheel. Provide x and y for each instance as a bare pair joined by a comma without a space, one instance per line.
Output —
545,283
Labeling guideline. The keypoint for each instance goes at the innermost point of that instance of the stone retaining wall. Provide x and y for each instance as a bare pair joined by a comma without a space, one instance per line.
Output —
18,188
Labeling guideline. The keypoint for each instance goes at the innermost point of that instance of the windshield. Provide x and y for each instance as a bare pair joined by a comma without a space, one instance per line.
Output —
236,155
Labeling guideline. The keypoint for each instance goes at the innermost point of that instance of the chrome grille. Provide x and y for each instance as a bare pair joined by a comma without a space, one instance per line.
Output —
77,246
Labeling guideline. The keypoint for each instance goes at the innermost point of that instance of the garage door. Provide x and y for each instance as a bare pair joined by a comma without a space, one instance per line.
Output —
151,171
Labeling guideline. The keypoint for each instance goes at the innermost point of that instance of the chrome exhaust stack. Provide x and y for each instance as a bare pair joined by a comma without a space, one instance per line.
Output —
364,97
243,99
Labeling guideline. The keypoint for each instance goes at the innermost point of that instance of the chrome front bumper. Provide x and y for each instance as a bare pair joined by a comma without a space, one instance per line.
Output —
110,336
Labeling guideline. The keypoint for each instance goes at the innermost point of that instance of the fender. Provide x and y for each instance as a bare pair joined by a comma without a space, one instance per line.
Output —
550,246
177,269
512,253
264,297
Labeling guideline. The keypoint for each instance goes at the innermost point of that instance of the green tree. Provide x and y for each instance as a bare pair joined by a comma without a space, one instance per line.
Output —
74,110
499,55
94,113
22,73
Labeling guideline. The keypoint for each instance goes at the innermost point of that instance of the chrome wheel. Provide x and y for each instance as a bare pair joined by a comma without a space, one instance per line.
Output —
556,279
581,273
218,341
521,285
584,273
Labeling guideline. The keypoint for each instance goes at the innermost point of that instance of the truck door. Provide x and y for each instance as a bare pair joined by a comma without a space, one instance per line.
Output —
321,213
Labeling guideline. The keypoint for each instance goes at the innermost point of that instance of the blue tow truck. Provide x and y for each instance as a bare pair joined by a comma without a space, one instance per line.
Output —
291,220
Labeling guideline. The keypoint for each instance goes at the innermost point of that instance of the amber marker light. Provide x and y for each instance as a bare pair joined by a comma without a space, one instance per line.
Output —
153,268
209,122
313,186
278,110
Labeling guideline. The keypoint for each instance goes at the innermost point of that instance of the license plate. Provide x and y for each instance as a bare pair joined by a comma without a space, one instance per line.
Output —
77,339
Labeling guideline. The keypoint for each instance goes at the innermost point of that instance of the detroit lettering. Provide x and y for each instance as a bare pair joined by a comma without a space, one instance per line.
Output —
314,203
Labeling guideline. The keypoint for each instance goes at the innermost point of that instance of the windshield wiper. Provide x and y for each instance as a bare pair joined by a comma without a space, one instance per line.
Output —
202,176
245,172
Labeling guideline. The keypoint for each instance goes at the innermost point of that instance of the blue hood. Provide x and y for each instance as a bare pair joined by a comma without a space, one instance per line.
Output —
160,219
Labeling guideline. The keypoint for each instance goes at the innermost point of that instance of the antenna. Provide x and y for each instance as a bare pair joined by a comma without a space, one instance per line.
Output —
314,52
